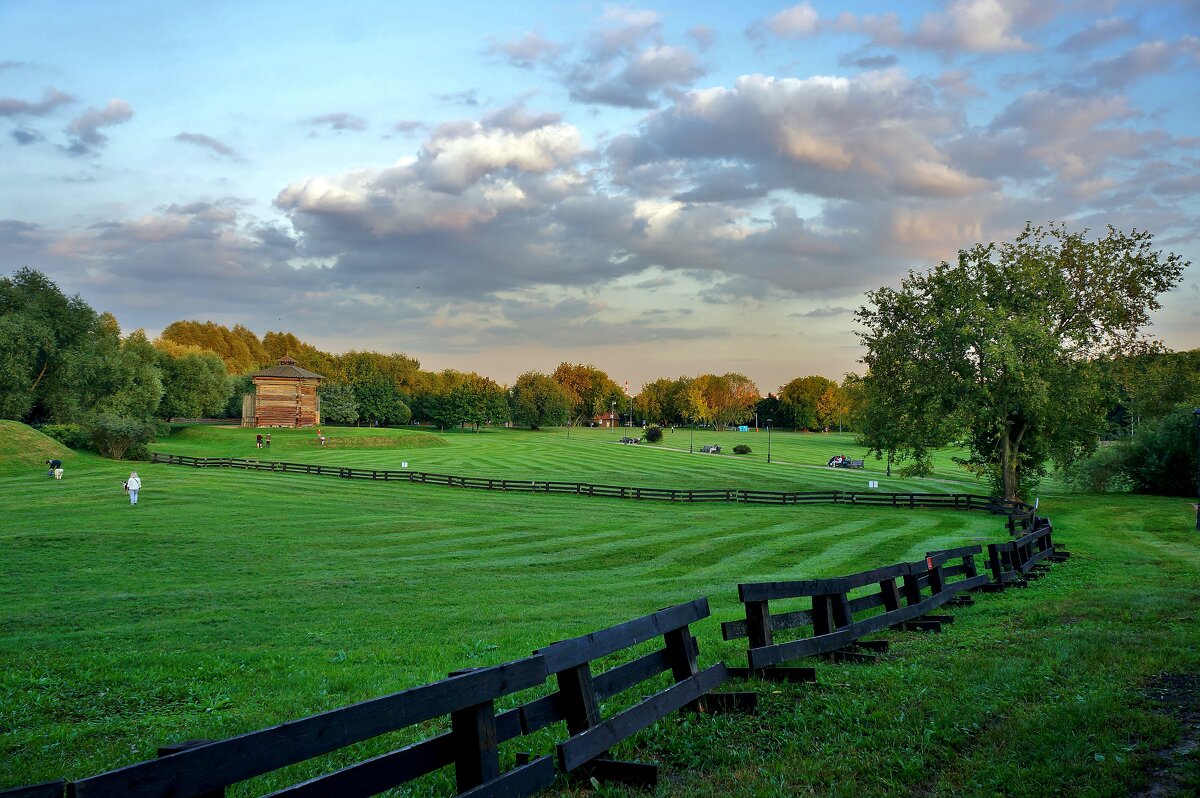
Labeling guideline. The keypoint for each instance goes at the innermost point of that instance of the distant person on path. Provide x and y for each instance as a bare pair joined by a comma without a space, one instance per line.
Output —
133,485
268,440
258,440
54,464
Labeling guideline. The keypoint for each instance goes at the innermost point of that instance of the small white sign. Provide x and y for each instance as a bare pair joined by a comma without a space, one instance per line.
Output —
872,483
404,464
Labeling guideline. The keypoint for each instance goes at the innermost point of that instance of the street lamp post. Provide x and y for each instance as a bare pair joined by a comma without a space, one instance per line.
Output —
1196,424
612,418
631,411
691,429
770,421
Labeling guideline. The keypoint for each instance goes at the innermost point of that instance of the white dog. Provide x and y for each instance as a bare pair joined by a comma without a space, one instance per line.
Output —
58,472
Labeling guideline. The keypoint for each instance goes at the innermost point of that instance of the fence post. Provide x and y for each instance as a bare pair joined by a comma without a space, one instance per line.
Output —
175,748
758,624
476,746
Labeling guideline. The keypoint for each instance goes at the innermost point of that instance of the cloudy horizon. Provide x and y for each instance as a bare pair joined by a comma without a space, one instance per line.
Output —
658,189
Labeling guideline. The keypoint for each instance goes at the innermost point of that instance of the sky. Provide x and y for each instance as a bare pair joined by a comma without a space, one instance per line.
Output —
658,189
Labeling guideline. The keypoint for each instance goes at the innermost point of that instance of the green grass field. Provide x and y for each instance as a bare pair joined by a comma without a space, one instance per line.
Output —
229,600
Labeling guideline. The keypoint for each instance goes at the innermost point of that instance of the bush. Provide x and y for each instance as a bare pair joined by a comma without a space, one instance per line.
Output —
653,433
72,436
1104,471
741,448
1161,458
119,437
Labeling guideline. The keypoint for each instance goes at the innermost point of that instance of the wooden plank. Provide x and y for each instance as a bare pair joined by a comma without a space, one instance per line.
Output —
768,591
732,630
587,745
568,653
238,758
619,679
808,646
379,773
46,789
641,775
521,781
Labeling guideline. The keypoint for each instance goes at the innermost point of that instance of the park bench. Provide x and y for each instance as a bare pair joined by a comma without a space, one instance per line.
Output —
836,632
631,440
710,449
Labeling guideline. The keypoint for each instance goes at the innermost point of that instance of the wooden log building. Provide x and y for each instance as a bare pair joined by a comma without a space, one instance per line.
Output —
285,395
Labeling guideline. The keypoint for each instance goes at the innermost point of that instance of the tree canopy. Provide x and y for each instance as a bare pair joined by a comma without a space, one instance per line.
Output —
1000,349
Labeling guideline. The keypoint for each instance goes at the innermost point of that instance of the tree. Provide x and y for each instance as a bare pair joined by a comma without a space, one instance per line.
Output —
723,399
473,400
537,400
195,384
590,389
802,399
108,374
40,327
338,403
1001,348
379,402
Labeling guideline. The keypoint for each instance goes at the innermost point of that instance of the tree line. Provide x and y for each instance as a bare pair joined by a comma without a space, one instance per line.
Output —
1029,354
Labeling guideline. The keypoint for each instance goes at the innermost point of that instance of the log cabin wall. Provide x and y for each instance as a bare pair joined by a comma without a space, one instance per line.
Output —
285,402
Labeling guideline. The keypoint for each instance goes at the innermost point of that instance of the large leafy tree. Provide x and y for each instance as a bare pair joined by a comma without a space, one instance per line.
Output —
722,399
1000,349
194,381
591,390
338,403
810,401
40,328
538,400
109,374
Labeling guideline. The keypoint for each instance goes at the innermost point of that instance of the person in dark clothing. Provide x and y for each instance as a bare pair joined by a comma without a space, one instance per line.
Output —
53,465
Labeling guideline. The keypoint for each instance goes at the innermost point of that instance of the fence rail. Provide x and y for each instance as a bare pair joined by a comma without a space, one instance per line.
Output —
1020,515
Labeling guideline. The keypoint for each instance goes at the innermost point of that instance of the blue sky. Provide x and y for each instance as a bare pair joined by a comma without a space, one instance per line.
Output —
658,189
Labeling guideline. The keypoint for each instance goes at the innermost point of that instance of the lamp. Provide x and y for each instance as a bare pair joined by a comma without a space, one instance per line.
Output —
1196,424
770,421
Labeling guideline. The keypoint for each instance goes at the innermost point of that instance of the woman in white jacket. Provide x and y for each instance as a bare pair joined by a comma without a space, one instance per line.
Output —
133,485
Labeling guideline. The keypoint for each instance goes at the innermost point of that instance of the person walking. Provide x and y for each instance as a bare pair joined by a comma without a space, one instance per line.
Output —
133,485
267,441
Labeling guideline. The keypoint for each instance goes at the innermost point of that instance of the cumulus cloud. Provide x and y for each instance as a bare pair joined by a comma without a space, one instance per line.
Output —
795,22
872,135
527,52
623,61
52,100
24,136
1138,62
216,146
84,130
965,26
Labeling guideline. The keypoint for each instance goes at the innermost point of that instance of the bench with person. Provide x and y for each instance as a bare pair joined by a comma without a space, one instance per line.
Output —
710,449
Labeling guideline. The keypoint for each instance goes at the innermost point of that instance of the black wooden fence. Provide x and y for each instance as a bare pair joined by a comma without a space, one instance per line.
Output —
1020,514
204,768
839,621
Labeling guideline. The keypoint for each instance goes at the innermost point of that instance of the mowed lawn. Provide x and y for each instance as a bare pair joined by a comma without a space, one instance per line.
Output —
229,600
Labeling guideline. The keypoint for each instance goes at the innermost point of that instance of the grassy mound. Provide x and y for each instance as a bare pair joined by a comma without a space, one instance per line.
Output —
22,445
230,441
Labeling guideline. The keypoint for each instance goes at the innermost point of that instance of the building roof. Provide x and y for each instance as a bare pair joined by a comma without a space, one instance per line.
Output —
287,368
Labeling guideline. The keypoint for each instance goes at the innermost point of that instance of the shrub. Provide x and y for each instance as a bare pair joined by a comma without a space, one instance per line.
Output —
118,437
741,448
1104,471
72,436
653,433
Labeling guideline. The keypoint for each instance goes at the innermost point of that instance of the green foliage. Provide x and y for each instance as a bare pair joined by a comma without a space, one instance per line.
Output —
339,404
40,330
73,436
721,399
537,400
379,402
121,437
741,448
809,401
1161,457
236,388
590,390
654,433
999,349
195,384
475,400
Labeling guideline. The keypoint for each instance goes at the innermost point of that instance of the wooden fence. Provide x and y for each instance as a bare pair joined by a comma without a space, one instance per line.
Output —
204,768
1020,514
1016,561
839,622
